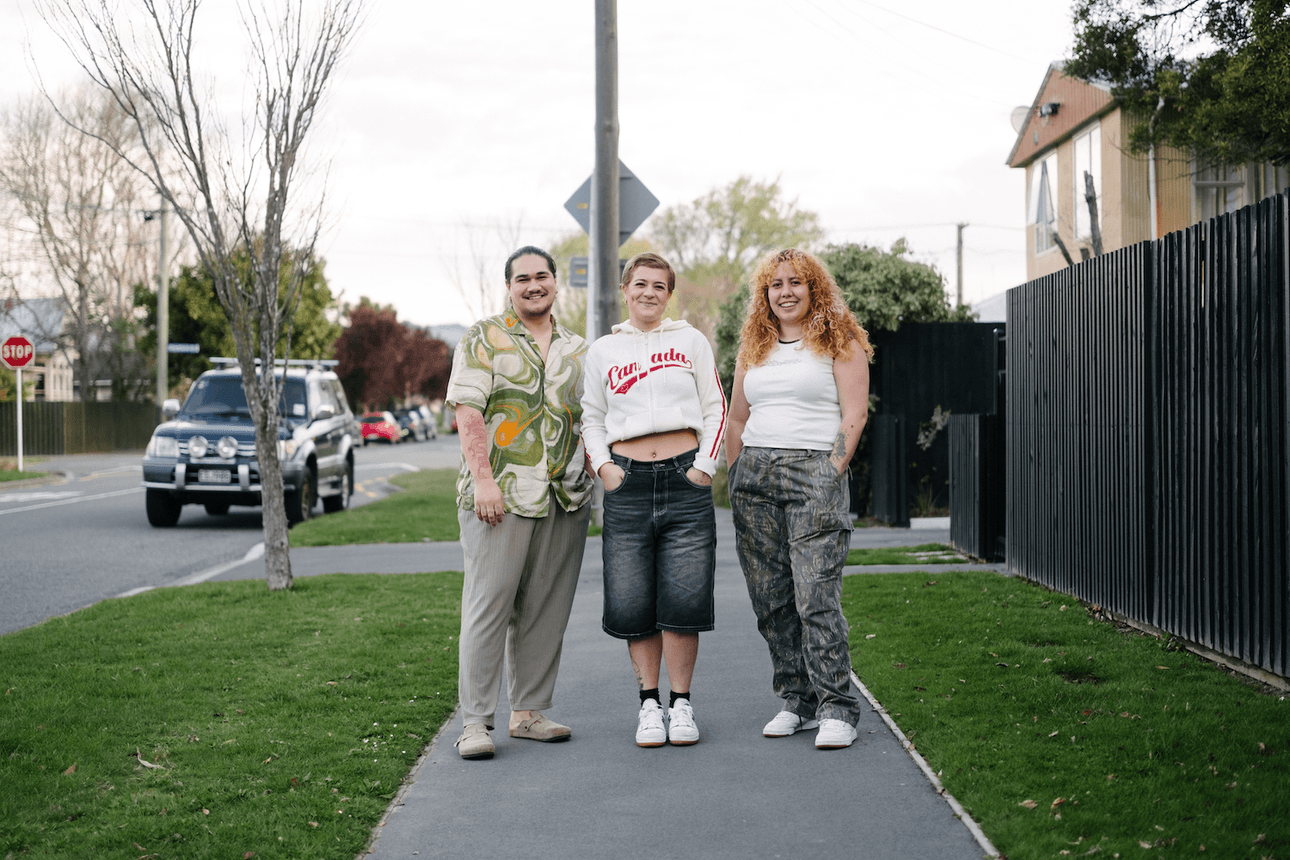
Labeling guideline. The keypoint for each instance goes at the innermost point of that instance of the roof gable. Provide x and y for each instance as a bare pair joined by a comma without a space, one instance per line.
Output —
1076,101
41,320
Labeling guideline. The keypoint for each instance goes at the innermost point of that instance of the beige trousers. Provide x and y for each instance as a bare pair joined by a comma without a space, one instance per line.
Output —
520,579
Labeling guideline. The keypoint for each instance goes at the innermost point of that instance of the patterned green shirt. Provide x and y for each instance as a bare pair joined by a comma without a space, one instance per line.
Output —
533,413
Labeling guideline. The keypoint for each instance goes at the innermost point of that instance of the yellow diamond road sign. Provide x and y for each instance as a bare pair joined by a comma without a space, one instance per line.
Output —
635,204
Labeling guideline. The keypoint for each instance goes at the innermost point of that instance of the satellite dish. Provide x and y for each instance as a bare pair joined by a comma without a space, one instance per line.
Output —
1019,116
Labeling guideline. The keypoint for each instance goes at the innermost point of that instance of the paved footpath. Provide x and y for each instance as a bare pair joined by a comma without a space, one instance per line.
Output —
734,794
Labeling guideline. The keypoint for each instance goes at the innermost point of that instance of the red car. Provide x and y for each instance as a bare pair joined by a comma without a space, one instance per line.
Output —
379,426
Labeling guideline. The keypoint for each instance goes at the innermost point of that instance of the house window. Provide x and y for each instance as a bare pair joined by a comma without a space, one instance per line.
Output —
1219,190
1041,204
1088,159
1270,180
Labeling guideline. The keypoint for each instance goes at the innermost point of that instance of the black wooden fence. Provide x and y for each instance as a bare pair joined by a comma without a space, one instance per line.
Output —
75,428
1147,437
918,368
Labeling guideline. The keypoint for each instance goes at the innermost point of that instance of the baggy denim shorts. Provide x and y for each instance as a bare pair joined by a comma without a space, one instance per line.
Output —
660,550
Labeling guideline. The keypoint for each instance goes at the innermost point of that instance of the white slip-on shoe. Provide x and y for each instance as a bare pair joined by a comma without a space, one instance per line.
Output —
834,735
681,730
649,726
787,723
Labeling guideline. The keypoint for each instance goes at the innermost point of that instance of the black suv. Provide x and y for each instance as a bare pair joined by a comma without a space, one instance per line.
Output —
205,453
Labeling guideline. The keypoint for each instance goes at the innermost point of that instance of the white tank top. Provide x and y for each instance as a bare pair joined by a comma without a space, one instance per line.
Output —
794,400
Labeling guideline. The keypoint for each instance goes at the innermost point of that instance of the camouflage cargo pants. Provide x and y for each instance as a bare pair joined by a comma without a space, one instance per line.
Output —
792,532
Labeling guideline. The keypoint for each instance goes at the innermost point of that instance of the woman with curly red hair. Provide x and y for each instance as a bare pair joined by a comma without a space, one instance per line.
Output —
800,401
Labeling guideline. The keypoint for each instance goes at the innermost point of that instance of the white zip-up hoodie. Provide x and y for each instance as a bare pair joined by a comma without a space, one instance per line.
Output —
643,382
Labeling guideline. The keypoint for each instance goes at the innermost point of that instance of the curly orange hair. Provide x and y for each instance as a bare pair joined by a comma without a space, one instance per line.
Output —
831,328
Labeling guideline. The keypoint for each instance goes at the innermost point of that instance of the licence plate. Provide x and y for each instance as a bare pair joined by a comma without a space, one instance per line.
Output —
213,476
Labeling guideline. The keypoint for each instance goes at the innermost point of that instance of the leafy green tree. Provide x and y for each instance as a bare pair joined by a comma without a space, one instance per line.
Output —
1207,76
882,288
716,240
196,316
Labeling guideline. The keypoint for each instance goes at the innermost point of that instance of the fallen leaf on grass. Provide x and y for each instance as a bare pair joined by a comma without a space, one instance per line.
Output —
205,811
1056,803
1029,804
872,636
313,824
1052,734
146,763
1144,844
71,770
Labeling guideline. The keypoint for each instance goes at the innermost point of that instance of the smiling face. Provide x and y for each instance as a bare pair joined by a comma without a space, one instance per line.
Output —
532,287
789,298
646,293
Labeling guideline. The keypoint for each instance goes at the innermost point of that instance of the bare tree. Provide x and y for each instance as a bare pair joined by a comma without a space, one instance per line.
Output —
78,209
144,56
477,274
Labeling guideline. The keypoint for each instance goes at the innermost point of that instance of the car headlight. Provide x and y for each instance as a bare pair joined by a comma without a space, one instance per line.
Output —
226,447
198,446
287,448
163,446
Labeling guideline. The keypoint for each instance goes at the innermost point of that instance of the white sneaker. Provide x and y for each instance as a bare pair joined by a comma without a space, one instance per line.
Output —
649,728
681,730
834,735
787,723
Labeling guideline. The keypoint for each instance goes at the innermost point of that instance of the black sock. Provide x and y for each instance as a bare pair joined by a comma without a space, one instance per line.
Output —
650,694
675,696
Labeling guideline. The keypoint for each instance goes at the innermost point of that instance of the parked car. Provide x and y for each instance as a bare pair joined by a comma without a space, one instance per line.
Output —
411,425
381,426
431,421
204,453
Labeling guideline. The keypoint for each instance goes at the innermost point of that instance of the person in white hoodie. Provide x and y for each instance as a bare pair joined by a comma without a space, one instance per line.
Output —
653,418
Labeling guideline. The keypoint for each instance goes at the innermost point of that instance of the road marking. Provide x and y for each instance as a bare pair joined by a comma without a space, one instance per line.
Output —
79,498
31,497
252,554
371,467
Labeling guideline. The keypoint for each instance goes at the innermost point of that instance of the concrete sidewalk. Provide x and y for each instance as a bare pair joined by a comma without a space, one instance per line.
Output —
733,795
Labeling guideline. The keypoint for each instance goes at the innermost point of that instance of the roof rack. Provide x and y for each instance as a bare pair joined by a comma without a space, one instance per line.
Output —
226,361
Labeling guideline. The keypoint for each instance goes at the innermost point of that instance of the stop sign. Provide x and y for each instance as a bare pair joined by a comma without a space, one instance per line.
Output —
17,351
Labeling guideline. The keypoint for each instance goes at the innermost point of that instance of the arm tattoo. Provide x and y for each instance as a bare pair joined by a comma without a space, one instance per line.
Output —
840,446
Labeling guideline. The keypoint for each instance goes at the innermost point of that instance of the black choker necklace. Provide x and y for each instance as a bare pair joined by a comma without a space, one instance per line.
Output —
788,342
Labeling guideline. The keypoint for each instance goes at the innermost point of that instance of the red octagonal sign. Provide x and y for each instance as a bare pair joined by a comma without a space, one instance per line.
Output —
17,351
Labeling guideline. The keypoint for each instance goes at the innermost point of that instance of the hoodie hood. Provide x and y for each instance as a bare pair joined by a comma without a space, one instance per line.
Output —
667,324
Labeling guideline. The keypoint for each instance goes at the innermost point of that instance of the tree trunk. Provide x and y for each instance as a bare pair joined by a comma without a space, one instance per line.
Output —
277,556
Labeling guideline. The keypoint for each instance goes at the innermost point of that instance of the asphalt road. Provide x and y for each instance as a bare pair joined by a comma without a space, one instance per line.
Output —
85,538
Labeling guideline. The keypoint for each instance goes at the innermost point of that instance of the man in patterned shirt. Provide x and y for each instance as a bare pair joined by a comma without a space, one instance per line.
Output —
523,497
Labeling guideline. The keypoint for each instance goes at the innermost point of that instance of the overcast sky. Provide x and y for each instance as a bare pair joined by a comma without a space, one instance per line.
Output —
450,118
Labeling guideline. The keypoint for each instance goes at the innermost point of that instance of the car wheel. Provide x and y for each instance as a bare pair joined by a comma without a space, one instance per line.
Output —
217,509
336,504
163,508
300,504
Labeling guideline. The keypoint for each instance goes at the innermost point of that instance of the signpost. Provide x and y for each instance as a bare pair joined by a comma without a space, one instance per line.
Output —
635,204
18,352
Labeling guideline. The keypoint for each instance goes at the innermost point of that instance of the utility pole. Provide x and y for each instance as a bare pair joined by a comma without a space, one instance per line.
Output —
602,275
163,317
961,225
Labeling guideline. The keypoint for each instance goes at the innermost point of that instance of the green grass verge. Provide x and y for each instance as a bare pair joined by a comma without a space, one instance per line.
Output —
15,475
276,723
425,511
927,553
1062,734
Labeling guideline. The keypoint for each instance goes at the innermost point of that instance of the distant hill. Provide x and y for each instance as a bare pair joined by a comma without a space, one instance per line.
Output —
449,334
